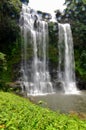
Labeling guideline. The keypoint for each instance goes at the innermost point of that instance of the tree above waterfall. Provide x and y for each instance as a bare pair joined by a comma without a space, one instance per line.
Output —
9,28
73,12
75,9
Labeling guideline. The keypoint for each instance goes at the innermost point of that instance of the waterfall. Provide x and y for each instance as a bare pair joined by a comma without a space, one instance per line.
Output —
35,74
66,73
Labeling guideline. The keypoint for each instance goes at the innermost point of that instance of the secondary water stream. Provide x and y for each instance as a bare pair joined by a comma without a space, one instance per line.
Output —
66,66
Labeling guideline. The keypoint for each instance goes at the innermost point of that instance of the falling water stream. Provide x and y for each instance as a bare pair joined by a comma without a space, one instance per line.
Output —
36,77
66,70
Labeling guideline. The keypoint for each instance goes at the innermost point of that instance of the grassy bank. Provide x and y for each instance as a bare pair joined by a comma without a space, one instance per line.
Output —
17,113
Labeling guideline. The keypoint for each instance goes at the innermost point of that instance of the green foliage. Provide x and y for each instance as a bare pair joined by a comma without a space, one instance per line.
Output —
75,9
10,8
10,35
3,72
53,33
84,1
3,65
79,32
53,54
17,113
80,64
53,43
9,29
2,56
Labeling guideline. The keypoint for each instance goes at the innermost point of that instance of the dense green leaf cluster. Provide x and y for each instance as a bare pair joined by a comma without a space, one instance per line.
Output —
17,113
10,8
9,29
74,11
3,66
3,69
79,33
9,34
53,38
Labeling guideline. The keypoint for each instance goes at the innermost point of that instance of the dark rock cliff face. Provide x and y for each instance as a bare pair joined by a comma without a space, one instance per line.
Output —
81,83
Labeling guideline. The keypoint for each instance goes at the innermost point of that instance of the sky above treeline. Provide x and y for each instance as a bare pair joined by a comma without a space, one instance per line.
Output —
48,6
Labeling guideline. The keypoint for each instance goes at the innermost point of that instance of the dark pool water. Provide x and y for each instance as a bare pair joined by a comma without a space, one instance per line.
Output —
63,103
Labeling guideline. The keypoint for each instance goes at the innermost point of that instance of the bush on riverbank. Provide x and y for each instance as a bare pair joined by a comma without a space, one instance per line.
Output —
17,113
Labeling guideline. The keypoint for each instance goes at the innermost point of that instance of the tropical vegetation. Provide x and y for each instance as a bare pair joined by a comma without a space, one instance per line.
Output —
17,113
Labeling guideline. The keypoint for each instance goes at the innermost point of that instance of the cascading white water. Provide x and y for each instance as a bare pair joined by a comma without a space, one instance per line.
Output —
36,78
66,73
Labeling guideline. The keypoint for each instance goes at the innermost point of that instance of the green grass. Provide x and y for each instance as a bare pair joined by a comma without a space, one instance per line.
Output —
17,113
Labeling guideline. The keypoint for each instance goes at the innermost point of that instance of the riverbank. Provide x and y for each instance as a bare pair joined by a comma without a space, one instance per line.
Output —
17,113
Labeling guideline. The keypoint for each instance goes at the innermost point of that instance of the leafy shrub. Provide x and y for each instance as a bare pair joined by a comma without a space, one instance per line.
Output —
17,113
